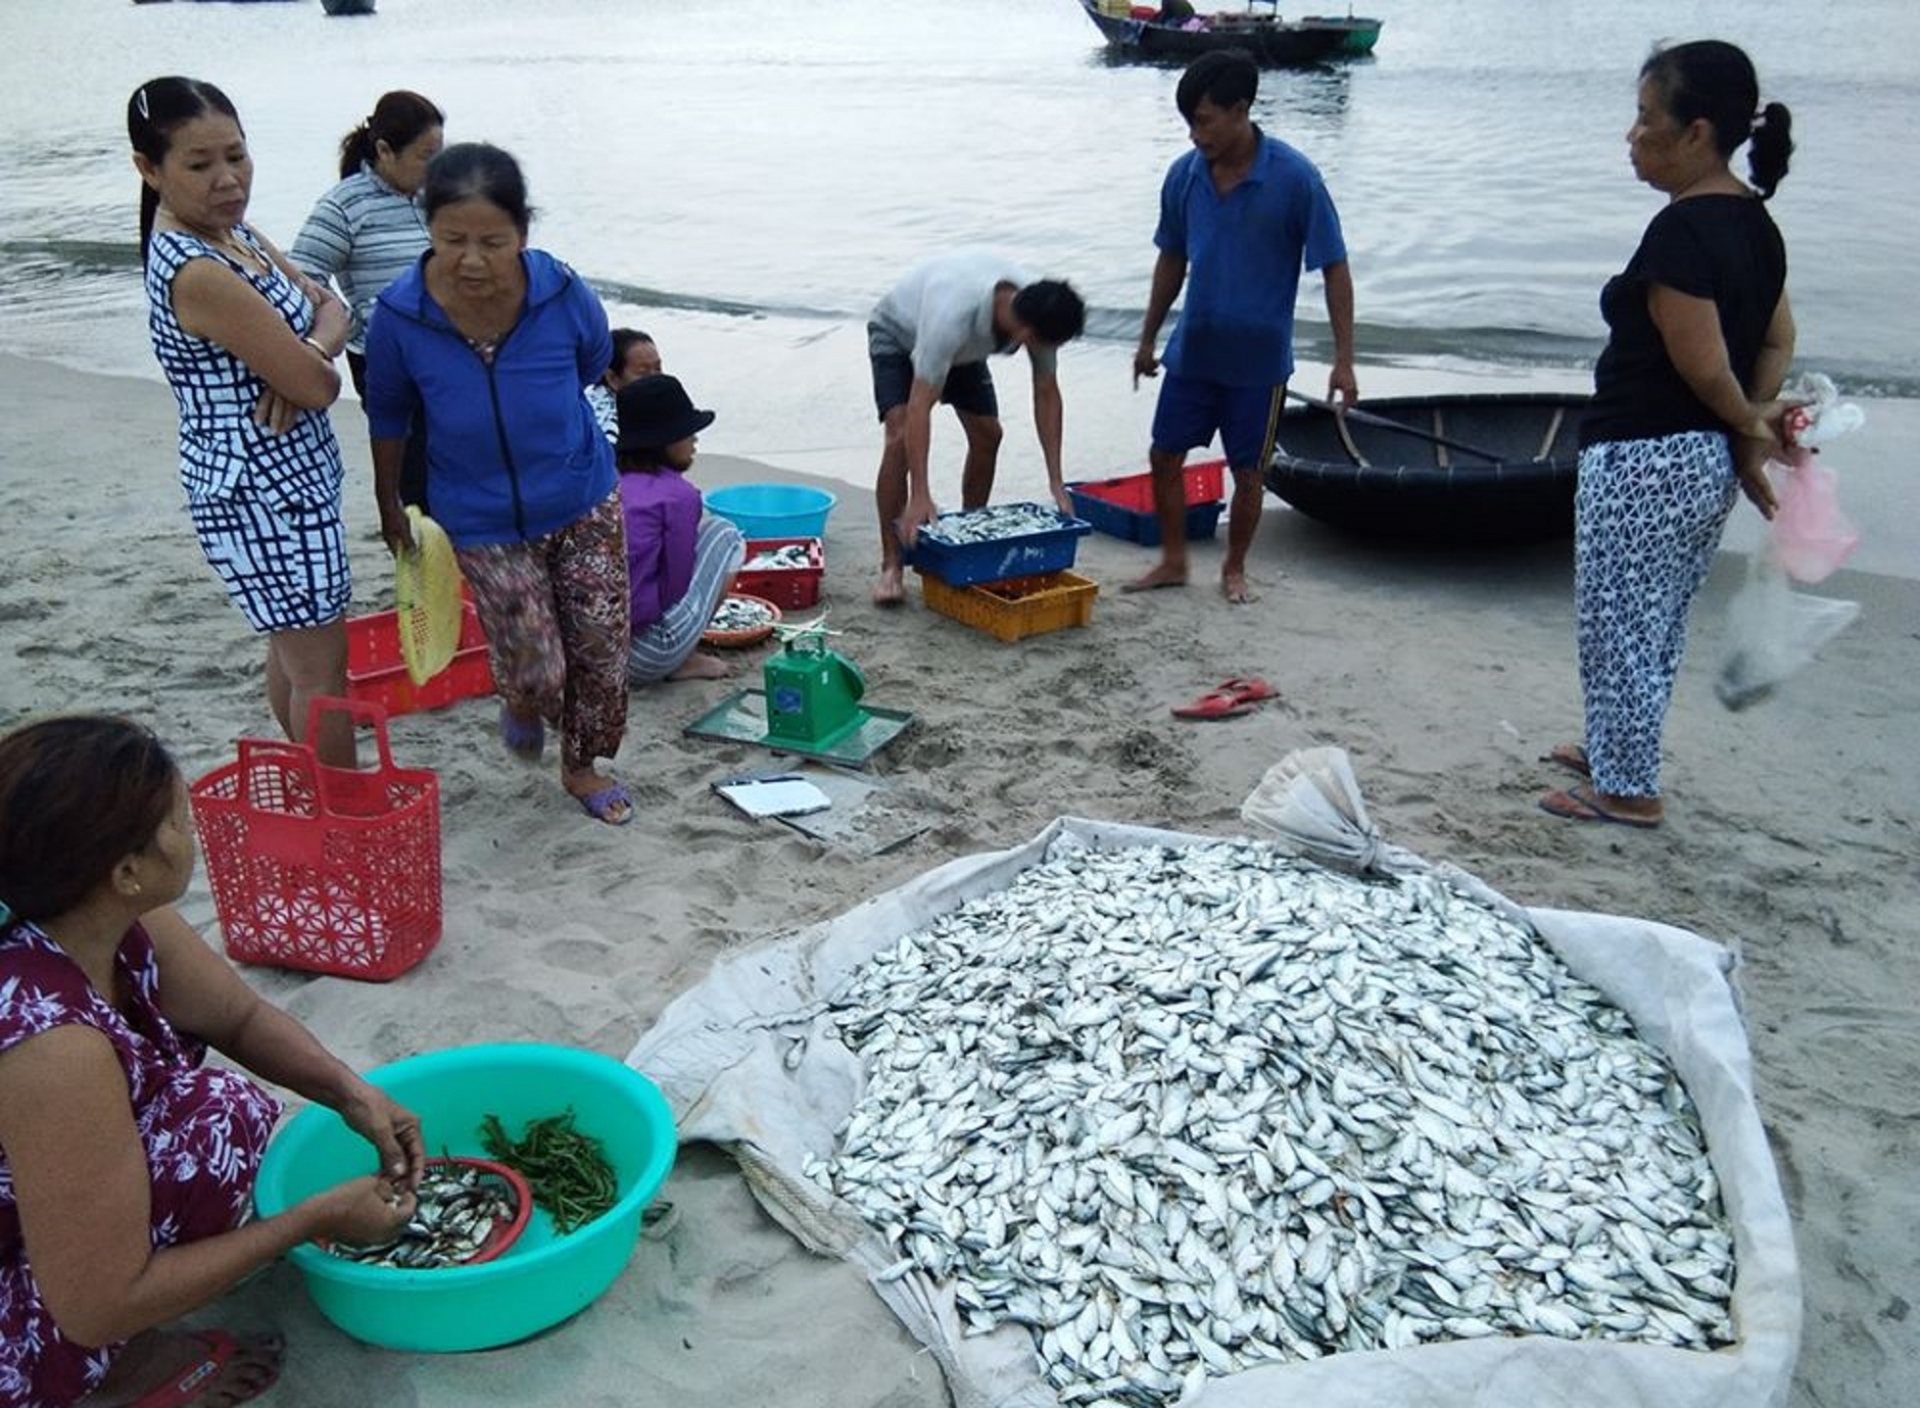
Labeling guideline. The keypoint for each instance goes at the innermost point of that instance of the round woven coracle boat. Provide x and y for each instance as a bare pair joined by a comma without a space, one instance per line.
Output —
1465,469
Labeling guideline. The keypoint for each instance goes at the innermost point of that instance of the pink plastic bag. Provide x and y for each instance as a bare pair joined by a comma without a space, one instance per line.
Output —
1810,536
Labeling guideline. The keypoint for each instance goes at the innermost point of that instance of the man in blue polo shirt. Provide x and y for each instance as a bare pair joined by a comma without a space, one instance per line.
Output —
1240,215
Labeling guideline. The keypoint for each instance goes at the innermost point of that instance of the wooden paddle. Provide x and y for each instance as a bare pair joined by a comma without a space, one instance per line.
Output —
1388,423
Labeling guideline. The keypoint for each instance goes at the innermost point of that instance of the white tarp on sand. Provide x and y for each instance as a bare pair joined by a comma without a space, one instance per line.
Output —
749,1060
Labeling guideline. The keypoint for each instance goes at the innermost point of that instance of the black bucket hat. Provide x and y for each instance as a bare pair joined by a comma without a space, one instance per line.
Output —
655,412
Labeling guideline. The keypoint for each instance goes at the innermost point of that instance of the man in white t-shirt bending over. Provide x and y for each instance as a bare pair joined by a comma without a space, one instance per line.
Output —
929,340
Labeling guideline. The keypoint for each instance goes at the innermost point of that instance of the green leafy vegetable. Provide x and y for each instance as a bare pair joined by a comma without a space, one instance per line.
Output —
569,1172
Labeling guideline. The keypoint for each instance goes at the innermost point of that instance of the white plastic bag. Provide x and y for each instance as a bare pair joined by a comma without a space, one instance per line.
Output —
1773,632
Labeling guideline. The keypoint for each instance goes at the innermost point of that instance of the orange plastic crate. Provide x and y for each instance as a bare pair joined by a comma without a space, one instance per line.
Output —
377,674
1016,607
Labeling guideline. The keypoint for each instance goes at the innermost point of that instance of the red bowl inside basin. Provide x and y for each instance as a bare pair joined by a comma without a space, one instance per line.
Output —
506,1230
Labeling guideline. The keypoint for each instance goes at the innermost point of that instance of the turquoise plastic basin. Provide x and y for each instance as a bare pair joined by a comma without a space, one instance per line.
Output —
773,510
542,1278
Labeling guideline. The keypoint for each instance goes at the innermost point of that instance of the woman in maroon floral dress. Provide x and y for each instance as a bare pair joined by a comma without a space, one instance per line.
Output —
126,1165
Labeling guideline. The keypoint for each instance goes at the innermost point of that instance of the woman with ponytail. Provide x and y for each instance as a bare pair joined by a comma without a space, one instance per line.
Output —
368,230
127,1162
1684,415
248,344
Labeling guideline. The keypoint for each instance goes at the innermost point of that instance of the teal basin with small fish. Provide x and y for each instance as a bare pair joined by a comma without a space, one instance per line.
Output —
542,1277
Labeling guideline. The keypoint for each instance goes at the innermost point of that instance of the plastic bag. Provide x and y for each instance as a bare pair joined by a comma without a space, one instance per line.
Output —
1809,536
1773,632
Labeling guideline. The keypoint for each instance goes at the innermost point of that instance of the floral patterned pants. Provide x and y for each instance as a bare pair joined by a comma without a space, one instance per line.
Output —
555,612
1647,520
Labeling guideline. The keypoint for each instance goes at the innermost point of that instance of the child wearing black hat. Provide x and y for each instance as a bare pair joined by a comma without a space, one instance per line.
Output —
679,560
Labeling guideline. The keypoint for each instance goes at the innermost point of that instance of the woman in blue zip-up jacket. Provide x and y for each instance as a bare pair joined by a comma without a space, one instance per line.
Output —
493,344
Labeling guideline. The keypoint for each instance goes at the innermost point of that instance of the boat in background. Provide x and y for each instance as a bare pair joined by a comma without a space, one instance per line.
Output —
347,7
1464,469
1140,31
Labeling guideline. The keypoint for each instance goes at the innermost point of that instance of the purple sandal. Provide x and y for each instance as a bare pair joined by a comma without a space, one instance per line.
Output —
606,805
526,741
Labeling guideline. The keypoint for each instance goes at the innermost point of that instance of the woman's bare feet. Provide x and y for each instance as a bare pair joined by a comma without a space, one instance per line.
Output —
888,588
190,1369
702,666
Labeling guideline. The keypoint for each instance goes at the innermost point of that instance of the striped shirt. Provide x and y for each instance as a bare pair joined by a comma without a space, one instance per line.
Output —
363,234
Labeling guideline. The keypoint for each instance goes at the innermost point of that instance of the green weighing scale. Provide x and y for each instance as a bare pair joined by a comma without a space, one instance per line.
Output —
810,704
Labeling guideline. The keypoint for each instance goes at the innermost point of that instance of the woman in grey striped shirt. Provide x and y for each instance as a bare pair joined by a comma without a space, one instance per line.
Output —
367,231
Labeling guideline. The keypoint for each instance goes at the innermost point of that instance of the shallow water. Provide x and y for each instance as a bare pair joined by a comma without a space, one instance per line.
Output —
744,178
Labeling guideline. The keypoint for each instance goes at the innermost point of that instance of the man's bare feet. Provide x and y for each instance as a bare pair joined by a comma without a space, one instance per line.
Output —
1160,576
201,1369
888,590
702,666
1233,586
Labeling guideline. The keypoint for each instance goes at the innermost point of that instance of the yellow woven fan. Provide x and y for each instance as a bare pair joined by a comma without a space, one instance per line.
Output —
426,588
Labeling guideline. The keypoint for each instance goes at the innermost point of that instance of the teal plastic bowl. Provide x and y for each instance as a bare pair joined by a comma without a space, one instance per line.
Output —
773,510
542,1278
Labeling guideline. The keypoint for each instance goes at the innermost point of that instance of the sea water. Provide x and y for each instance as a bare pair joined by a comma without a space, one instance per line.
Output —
744,178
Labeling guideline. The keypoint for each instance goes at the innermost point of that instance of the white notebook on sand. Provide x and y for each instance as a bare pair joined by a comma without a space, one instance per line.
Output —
787,795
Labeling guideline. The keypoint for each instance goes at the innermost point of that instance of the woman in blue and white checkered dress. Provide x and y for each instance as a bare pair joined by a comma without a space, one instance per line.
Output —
248,344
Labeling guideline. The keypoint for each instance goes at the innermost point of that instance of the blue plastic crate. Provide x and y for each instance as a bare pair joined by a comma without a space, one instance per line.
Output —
1143,528
1024,555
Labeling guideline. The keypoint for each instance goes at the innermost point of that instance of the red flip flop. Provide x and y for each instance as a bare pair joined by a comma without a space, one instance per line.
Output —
187,1386
1214,704
1247,689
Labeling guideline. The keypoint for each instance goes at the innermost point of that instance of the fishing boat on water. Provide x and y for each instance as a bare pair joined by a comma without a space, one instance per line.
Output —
1174,33
347,7
1459,469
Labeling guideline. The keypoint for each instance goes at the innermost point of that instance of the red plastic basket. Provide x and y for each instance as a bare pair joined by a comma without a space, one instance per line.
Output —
330,870
376,673
789,587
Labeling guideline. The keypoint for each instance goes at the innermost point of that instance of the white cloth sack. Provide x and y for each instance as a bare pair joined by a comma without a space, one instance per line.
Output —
749,1060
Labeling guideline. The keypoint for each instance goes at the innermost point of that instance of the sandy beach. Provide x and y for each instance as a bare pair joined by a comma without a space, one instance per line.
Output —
1792,834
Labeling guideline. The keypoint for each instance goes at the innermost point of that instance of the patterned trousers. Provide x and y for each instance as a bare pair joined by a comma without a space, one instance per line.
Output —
664,646
1647,519
556,615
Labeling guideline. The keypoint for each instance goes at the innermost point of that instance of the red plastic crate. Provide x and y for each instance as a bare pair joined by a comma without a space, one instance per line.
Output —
1123,507
1206,483
377,674
785,587
329,870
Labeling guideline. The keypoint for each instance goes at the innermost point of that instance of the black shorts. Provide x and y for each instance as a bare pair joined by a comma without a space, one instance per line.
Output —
968,387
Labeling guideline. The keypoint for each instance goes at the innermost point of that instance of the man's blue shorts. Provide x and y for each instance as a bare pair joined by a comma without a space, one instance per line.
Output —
968,387
1246,418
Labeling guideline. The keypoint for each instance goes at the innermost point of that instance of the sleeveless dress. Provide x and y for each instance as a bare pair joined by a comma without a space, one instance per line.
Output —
204,1129
266,507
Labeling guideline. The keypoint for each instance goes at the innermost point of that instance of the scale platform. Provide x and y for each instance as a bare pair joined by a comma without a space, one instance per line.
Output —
742,718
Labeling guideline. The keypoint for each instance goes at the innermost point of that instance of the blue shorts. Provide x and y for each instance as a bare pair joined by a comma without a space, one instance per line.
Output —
968,387
1246,418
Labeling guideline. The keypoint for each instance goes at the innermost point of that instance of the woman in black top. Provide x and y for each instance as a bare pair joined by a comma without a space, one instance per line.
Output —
1683,416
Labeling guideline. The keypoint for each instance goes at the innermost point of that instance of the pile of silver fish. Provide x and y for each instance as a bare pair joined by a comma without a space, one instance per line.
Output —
738,613
1185,1111
986,525
456,1209
785,557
